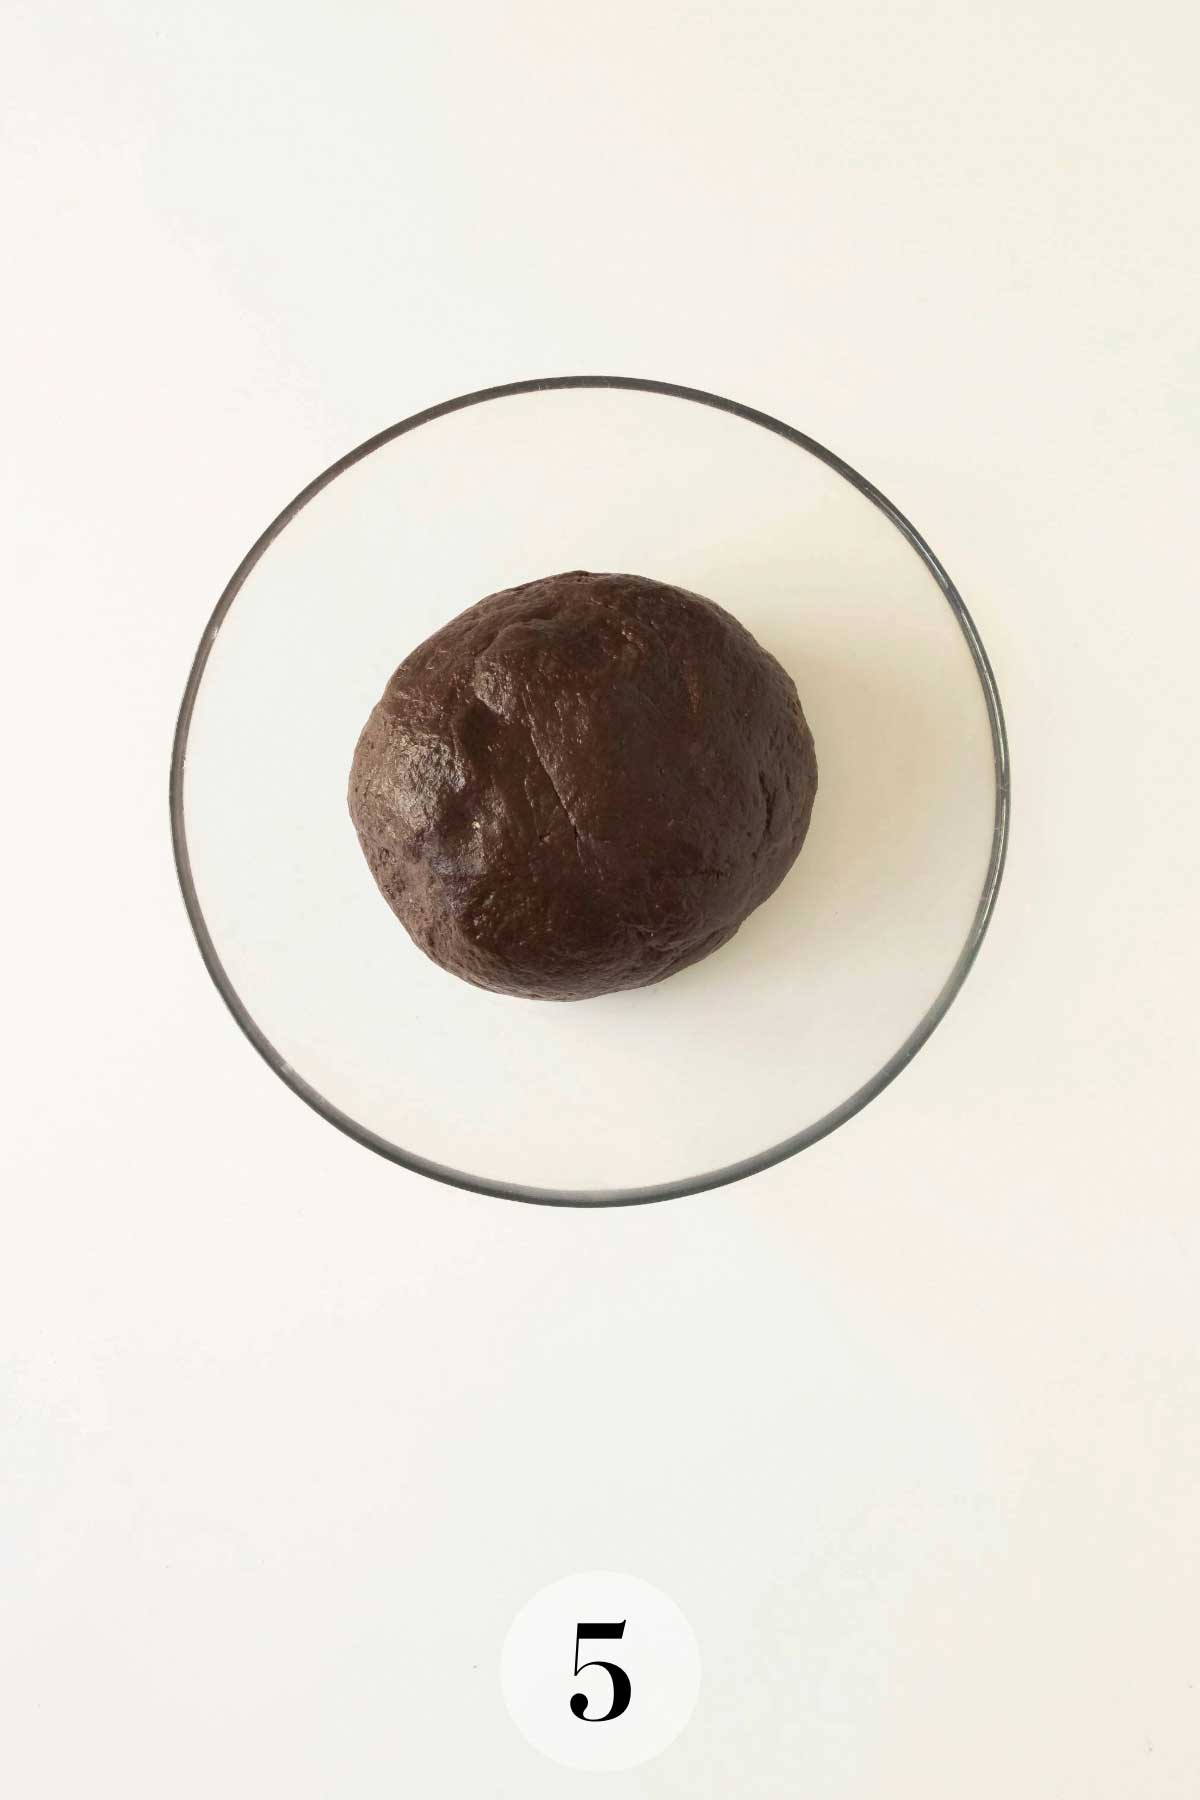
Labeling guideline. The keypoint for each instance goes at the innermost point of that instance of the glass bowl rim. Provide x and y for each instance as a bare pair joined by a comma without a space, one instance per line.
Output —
745,1166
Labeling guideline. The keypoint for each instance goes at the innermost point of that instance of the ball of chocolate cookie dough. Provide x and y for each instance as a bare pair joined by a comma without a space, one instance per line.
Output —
582,784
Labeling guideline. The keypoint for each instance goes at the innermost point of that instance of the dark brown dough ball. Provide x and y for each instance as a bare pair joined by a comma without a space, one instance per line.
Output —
582,784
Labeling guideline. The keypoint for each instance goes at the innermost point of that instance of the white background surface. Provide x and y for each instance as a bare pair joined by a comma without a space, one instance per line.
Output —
910,1427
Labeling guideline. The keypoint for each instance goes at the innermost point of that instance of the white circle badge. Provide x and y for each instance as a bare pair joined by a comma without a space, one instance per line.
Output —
600,1671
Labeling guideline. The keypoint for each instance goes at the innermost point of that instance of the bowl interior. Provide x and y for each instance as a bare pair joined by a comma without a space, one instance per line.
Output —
820,988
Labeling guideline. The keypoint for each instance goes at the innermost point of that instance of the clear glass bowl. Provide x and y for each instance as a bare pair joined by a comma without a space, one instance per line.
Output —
827,991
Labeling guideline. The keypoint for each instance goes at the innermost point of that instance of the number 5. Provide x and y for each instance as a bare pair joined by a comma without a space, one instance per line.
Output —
621,1690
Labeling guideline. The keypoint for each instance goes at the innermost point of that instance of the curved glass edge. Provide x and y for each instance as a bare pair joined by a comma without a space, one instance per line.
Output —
731,1172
